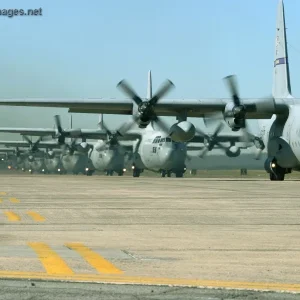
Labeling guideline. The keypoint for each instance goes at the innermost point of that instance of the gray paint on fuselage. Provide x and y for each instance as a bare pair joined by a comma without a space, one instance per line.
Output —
74,163
157,152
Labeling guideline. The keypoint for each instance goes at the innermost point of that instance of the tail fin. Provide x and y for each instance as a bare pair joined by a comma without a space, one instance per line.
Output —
149,86
281,77
100,122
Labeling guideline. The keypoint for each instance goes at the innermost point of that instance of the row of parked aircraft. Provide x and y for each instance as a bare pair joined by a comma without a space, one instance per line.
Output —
115,151
157,147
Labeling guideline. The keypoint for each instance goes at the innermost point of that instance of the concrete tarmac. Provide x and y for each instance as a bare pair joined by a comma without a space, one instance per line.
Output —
218,233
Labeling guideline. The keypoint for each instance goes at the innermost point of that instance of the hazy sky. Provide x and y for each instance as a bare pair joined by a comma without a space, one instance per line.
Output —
84,48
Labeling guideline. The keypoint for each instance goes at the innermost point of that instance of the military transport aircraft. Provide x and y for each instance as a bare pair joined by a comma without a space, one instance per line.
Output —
151,149
280,133
31,159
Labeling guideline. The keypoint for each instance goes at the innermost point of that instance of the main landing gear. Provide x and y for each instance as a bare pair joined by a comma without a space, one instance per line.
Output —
136,172
178,173
277,173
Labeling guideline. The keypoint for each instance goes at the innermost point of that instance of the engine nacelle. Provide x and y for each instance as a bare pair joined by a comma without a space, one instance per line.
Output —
50,154
83,147
182,131
234,123
233,151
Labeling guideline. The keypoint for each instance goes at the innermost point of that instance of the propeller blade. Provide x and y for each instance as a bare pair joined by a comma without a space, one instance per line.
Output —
258,154
204,152
106,128
200,132
211,119
162,91
128,90
232,86
58,123
246,136
162,125
27,139
38,141
218,129
126,127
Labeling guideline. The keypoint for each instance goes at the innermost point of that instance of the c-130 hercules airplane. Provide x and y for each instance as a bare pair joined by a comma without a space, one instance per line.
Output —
278,116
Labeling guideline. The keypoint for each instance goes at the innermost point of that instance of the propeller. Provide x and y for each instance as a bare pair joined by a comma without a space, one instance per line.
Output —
17,152
61,134
146,113
113,135
211,140
238,111
33,146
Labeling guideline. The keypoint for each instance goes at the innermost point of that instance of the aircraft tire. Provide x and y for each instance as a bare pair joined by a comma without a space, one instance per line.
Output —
277,177
136,172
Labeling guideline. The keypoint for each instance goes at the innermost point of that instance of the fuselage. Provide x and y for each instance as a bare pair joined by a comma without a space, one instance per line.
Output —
281,135
75,163
157,152
109,158
52,164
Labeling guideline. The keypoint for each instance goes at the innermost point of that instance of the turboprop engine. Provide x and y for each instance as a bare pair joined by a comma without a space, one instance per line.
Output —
83,147
50,154
182,132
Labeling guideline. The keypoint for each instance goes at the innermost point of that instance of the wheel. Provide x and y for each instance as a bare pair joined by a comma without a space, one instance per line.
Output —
136,172
163,173
277,177
89,173
278,174
169,174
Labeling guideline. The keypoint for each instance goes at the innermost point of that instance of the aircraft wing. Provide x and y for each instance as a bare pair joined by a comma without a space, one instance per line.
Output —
256,108
221,138
26,145
7,150
29,131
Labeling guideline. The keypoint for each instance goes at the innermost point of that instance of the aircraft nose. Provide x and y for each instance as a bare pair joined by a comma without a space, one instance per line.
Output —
172,157
108,156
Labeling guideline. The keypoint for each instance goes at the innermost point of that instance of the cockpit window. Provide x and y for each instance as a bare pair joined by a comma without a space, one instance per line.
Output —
168,140
163,140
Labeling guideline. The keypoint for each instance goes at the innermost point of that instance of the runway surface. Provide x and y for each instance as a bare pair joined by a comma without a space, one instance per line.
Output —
217,233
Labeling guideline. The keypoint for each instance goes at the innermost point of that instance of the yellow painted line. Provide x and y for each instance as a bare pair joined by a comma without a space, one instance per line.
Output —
94,259
14,200
257,286
35,216
0,200
52,262
12,216
3,193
